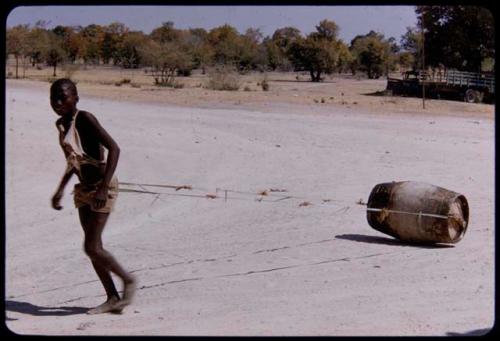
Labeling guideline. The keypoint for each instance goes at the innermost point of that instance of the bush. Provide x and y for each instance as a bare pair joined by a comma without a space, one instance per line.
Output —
223,78
265,85
123,81
184,72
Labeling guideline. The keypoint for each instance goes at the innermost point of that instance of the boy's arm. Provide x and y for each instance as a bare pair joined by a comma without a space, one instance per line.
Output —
111,162
56,198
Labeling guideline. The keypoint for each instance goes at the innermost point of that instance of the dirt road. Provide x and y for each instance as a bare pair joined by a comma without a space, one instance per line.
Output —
282,249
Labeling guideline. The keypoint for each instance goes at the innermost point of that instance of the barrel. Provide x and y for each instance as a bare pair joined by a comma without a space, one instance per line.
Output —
418,212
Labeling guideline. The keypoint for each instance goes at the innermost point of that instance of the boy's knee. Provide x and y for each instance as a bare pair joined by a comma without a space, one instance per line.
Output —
92,251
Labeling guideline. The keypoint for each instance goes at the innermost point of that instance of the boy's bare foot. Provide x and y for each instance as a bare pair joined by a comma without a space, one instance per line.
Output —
128,294
106,307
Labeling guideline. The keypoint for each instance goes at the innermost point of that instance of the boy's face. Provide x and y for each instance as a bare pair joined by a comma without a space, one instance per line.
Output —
63,100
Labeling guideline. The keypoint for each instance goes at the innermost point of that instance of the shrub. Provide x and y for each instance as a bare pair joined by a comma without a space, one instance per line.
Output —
123,81
265,85
223,78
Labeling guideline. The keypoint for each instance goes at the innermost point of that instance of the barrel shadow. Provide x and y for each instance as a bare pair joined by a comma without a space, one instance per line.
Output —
389,241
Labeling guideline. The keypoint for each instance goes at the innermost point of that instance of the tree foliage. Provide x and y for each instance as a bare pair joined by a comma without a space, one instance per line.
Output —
460,37
457,36
373,53
16,43
318,53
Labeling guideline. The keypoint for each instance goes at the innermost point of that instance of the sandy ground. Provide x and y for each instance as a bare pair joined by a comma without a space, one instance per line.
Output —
251,264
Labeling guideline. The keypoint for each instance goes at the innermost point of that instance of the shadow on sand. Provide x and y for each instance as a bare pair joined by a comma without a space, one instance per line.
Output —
389,241
477,332
28,308
382,93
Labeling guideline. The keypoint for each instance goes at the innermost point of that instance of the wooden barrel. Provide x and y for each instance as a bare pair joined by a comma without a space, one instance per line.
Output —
418,212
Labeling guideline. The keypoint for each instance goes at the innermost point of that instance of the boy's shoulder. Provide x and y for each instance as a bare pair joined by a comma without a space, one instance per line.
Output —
85,114
86,118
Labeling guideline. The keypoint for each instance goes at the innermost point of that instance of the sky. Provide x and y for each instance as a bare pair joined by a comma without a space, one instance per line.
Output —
391,21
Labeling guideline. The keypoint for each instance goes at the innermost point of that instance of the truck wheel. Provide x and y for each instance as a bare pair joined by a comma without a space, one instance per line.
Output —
471,96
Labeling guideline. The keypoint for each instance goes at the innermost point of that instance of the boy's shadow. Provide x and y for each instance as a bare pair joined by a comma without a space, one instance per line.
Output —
389,241
28,308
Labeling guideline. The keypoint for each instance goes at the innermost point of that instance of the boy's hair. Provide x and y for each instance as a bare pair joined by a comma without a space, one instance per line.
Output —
64,82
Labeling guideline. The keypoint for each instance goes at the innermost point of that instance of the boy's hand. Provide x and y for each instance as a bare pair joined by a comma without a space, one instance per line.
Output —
101,195
56,199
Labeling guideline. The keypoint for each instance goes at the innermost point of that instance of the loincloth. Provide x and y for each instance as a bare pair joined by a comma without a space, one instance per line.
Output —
84,195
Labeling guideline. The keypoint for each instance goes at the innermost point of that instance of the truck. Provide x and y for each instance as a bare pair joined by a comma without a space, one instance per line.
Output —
472,87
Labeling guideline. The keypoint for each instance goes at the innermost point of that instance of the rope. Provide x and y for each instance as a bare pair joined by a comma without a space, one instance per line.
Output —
410,213
270,193
262,194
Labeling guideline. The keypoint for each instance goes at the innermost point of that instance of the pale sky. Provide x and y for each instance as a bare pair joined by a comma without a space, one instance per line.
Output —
391,21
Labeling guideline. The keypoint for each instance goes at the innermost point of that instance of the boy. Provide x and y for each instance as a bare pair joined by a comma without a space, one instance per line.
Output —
82,139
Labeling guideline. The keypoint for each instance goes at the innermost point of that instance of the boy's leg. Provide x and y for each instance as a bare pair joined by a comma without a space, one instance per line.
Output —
93,224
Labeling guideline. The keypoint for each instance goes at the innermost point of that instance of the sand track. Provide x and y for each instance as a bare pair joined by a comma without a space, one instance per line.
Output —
250,264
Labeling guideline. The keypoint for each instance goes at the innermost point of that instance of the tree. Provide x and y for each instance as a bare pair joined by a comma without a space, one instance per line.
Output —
201,50
460,37
54,52
112,41
327,30
318,52
373,53
165,60
37,42
16,40
278,47
411,43
71,41
165,33
129,51
406,60
225,42
92,38
345,57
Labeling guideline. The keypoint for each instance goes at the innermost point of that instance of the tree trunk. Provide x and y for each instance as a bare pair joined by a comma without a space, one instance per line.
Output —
17,66
55,65
315,77
318,76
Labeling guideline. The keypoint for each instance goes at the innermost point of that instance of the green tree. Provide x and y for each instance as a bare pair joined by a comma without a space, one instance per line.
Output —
460,37
37,42
71,41
411,43
54,53
112,41
225,41
373,53
129,51
165,60
279,45
406,60
345,57
318,52
165,33
201,50
92,37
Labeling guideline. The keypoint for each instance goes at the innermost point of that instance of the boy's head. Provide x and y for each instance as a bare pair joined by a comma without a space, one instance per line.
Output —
63,97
